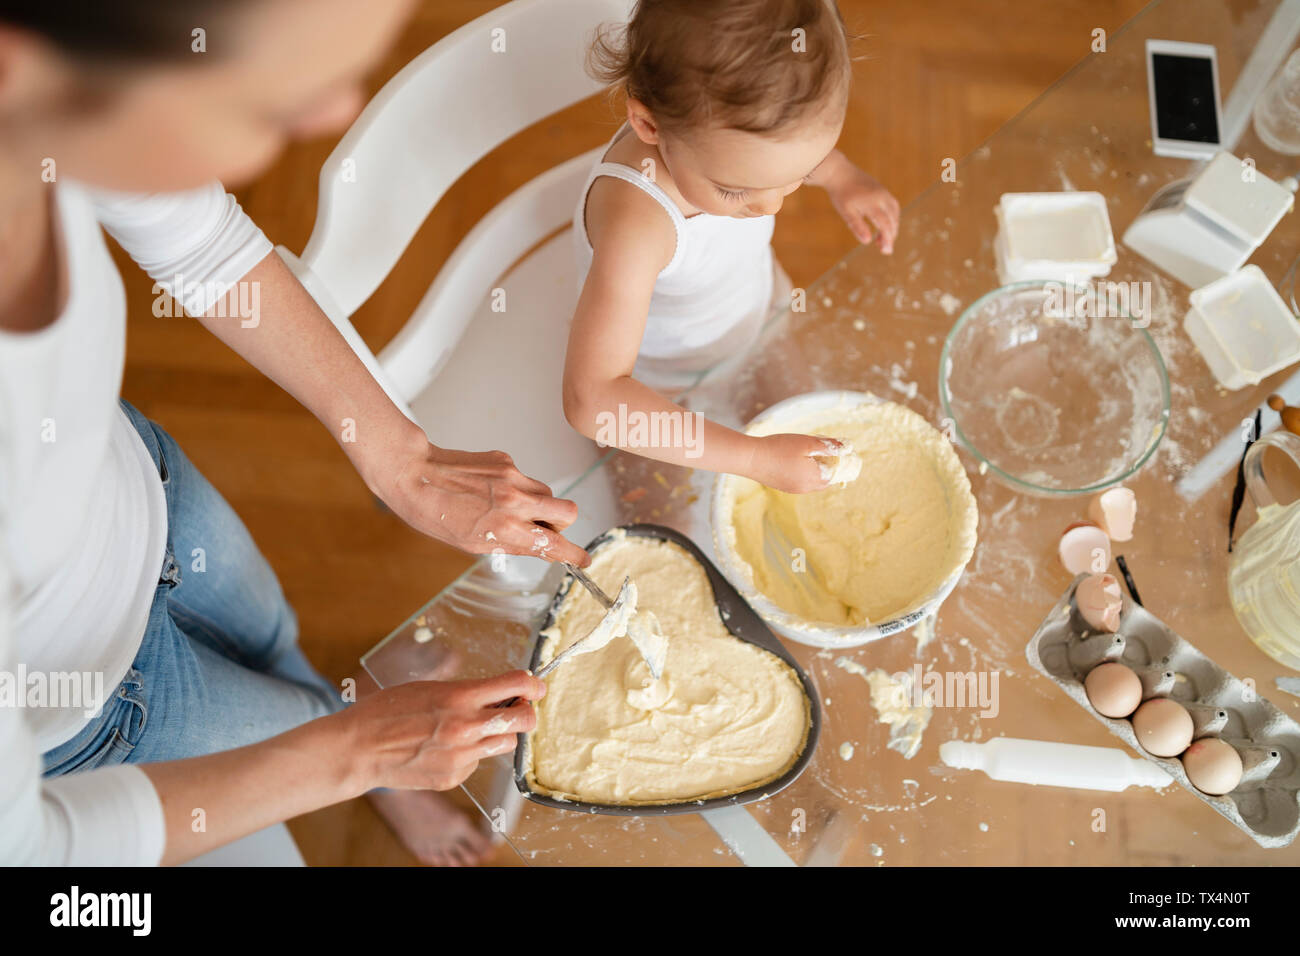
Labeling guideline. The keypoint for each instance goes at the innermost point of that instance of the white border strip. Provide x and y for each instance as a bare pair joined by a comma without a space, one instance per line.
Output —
1223,457
1273,47
746,837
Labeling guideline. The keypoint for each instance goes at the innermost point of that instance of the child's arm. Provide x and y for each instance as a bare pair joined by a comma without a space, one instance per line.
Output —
633,241
859,198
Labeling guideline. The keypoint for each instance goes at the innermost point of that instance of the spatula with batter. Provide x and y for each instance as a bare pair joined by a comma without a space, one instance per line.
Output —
642,627
618,613
621,618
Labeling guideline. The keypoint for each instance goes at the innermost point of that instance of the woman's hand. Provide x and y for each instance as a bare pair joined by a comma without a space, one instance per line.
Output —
791,463
476,501
862,202
425,735
430,735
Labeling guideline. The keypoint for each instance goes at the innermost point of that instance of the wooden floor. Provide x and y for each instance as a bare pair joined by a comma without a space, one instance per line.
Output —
933,81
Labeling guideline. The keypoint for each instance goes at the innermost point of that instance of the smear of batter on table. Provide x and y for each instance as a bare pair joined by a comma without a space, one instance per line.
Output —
892,698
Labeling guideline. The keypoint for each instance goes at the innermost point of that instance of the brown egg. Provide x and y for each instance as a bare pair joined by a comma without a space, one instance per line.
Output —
1163,727
1113,689
1213,766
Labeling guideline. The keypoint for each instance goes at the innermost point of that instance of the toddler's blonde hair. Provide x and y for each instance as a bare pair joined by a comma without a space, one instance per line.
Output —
753,65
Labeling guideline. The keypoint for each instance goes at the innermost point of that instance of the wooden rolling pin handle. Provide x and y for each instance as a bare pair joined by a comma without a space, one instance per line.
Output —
1290,413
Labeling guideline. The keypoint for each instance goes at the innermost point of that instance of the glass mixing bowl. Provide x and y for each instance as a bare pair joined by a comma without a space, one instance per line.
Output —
1054,388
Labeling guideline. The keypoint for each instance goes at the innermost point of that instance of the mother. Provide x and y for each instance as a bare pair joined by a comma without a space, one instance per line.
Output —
112,115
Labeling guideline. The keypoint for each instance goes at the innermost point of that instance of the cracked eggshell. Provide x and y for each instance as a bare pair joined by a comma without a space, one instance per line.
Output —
1099,601
1084,548
1115,512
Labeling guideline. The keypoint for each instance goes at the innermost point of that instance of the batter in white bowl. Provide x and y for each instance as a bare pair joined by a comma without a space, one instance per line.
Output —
869,549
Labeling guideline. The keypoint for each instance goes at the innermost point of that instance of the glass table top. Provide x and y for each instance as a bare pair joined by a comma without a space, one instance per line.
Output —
877,324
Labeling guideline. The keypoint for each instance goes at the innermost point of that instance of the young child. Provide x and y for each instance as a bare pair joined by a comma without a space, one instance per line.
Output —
731,106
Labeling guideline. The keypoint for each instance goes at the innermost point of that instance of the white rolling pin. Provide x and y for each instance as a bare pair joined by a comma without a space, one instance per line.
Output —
1052,764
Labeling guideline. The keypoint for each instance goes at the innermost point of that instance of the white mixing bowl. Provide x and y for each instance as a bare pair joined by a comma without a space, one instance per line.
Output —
738,571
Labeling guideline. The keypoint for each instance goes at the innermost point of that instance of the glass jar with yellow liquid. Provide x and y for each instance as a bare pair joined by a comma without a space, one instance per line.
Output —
1264,572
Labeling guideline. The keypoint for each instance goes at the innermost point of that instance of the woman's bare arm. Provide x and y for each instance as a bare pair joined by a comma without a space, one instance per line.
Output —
424,735
455,496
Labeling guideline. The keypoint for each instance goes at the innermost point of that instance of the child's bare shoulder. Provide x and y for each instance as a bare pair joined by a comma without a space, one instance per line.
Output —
624,217
622,213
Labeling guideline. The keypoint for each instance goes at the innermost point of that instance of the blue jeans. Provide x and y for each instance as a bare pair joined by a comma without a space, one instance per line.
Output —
219,666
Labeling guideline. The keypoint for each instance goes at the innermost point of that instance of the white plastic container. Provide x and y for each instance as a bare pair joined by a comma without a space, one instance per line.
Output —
1242,328
1053,236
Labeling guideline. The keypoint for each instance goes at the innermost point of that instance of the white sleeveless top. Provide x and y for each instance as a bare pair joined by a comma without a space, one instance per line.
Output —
719,278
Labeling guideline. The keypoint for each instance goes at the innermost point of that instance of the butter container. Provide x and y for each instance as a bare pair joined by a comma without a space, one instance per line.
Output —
1266,804
1056,235
1242,328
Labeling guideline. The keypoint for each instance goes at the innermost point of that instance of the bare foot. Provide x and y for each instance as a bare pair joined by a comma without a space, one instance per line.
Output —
432,828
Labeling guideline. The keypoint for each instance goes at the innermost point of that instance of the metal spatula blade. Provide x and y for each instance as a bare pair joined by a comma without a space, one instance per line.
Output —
585,580
618,613
643,628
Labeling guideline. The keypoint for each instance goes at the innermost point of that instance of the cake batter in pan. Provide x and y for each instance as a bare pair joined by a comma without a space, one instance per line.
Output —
744,624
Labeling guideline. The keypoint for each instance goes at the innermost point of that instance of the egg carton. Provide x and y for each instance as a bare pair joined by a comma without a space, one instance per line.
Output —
1266,804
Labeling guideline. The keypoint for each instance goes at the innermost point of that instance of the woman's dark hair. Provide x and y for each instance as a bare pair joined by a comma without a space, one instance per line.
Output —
117,29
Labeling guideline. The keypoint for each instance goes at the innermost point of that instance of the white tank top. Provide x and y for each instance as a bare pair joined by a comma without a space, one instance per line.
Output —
719,278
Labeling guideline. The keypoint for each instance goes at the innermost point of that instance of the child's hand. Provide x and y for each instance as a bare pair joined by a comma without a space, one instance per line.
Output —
793,463
860,199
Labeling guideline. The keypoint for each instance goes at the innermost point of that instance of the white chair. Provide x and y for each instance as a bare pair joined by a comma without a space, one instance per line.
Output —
474,378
